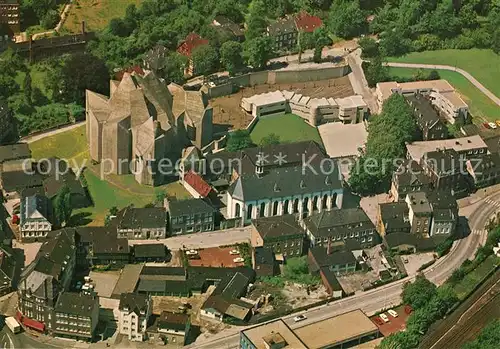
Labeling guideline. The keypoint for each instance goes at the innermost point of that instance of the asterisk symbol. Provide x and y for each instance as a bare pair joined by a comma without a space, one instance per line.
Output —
280,159
262,158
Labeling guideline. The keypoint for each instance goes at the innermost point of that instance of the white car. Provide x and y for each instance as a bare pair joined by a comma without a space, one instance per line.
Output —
392,313
238,260
233,252
191,252
299,318
492,125
384,317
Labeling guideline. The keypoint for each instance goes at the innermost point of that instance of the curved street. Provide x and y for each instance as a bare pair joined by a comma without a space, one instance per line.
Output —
389,295
468,76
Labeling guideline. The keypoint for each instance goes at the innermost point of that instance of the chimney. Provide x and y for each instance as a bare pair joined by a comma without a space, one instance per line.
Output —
329,247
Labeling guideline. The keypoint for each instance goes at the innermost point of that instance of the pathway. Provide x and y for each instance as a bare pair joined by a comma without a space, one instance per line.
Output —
64,15
468,76
33,138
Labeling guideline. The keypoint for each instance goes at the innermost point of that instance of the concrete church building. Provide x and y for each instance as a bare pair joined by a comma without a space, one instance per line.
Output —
142,122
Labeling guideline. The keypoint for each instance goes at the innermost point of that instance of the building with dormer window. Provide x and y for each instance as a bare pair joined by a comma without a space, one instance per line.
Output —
135,310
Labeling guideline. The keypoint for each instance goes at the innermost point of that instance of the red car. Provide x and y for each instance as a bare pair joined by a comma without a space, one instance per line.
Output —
486,125
378,321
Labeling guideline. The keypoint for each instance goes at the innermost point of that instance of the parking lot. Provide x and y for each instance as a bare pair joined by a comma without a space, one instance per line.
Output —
415,261
216,257
394,325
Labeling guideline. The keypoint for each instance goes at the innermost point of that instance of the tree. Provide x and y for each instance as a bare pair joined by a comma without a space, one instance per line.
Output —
231,56
418,293
27,89
256,20
62,205
400,340
258,51
346,19
375,71
239,139
205,60
172,68
270,139
79,72
321,39
369,47
393,43
50,19
488,338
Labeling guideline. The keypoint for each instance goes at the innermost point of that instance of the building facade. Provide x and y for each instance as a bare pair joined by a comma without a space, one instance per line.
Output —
76,316
135,310
408,178
10,16
419,213
190,216
36,217
284,32
428,121
142,223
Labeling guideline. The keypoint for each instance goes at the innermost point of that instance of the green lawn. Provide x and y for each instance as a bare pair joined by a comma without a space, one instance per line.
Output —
289,127
464,287
484,65
38,74
95,13
481,107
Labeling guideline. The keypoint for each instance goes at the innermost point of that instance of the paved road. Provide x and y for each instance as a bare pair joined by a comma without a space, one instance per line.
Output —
383,297
358,80
468,76
7,339
203,240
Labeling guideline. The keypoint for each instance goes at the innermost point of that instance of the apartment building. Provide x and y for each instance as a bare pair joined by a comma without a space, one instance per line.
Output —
135,310
190,216
76,316
420,212
36,217
142,223
10,15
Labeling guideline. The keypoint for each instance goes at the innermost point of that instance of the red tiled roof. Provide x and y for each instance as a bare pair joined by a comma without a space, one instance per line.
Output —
36,325
192,41
134,69
197,183
306,22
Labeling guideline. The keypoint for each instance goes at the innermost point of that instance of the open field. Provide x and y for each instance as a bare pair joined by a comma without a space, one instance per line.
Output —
95,13
481,107
464,287
229,115
289,127
482,64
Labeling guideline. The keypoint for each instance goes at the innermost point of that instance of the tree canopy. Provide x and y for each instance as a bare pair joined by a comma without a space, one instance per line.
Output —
205,60
62,205
418,293
239,139
231,56
488,338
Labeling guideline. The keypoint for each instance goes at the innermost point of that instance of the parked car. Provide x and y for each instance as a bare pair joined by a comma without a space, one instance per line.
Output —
405,259
384,317
191,252
378,321
238,260
232,252
300,317
392,313
492,125
486,125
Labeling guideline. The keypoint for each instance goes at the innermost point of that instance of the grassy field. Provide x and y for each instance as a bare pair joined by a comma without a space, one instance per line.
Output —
95,13
289,127
464,287
482,64
481,107
38,74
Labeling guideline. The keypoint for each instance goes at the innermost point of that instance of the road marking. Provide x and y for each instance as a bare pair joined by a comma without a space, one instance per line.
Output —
492,202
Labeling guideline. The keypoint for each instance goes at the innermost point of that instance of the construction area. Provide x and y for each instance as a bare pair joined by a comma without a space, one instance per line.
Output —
228,113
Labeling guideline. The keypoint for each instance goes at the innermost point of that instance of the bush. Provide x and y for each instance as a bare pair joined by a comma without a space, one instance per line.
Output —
50,20
444,247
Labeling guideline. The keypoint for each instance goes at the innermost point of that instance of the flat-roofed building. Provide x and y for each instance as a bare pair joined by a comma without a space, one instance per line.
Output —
346,330
265,104
466,147
275,334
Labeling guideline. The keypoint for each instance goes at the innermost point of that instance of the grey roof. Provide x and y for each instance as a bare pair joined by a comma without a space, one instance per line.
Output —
394,215
423,111
14,151
264,255
150,250
442,199
323,259
236,286
163,271
410,173
482,165
443,215
155,58
397,239
146,217
419,202
134,302
76,303
444,161
173,321
189,207
146,286
35,208
331,278
20,180
281,26
278,226
104,240
328,223
493,144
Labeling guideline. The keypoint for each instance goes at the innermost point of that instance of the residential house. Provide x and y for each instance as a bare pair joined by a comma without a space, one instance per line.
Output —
36,217
447,171
76,316
13,183
280,179
466,147
339,225
191,43
419,212
264,262
101,246
282,234
12,152
393,218
190,216
142,223
135,310
337,258
10,268
410,243
43,280
408,178
228,26
10,17
444,222
197,186
171,329
484,170
150,253
493,144
284,32
428,121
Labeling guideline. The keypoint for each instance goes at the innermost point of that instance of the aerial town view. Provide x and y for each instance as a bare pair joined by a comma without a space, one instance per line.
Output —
254,174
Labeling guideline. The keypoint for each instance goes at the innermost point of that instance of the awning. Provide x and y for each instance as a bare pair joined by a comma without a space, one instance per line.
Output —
36,325
19,316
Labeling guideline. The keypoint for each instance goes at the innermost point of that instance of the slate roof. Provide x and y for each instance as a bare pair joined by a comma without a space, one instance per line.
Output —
179,271
264,255
282,26
189,207
155,57
493,144
410,173
134,302
35,208
423,111
394,215
229,25
104,240
172,321
485,164
14,152
419,203
150,251
443,215
397,239
323,259
234,288
278,227
76,303
444,161
331,278
143,217
19,180
328,223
